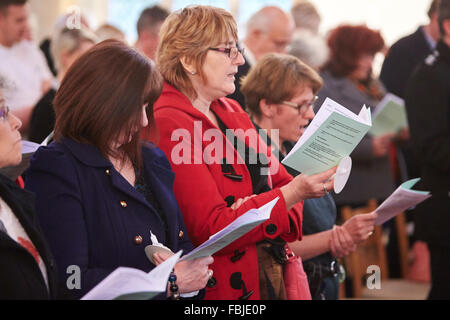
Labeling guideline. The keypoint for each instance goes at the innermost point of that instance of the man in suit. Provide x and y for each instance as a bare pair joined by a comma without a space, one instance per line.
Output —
268,30
408,52
403,57
428,107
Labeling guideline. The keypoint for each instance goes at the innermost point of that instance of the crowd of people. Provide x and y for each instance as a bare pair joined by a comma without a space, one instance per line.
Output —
166,143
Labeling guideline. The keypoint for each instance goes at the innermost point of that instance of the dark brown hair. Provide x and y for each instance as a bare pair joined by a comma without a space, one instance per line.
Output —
433,8
347,44
151,17
443,14
102,95
275,78
4,4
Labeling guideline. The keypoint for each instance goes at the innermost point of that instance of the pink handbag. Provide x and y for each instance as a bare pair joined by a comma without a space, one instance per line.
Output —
295,279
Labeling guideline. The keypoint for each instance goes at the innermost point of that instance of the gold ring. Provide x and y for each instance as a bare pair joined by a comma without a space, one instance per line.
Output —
210,273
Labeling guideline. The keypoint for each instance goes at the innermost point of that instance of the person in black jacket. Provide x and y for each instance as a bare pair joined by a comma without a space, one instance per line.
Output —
27,269
428,108
402,59
66,48
408,52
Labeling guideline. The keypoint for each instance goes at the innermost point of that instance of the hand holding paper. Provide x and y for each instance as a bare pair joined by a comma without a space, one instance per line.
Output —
134,284
242,225
390,116
331,137
403,198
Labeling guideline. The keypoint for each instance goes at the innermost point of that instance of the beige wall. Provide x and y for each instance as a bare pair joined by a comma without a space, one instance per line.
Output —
46,12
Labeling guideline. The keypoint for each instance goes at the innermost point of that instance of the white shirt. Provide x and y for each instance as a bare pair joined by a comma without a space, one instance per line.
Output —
23,69
16,232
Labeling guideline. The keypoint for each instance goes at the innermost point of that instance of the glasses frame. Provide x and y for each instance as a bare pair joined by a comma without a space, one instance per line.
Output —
229,51
4,113
302,108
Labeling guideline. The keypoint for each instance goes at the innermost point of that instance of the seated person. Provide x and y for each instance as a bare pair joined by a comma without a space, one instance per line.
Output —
66,47
27,269
102,195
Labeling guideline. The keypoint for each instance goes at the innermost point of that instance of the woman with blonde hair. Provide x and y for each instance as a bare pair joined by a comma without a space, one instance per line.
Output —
211,143
280,94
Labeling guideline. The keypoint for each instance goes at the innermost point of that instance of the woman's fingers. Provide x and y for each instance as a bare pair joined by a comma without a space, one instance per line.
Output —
339,246
160,257
240,202
324,176
345,240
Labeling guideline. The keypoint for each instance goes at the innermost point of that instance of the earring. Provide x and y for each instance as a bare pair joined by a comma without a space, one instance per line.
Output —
193,73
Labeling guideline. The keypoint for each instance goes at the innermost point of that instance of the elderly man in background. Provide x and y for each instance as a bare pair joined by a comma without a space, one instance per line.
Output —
23,67
269,30
148,27
307,43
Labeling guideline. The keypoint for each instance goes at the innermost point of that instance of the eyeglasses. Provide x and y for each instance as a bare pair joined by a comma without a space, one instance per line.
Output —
232,52
302,108
4,113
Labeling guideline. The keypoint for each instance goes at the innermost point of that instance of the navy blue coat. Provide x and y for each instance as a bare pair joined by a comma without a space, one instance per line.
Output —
91,215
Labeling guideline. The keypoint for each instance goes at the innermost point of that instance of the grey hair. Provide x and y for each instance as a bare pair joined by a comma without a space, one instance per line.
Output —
262,20
69,40
310,48
306,16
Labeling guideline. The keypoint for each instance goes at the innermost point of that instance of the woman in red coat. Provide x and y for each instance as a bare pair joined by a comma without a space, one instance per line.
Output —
222,169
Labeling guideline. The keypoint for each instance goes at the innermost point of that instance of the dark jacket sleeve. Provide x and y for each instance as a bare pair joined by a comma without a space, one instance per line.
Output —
52,177
427,103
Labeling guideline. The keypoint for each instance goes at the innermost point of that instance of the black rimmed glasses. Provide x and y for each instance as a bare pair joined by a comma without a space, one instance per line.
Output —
302,108
231,52
4,113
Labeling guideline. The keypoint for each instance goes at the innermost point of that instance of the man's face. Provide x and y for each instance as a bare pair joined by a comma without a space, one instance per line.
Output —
275,40
13,24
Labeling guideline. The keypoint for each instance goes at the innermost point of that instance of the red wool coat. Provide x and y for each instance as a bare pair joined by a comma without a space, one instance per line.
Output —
201,189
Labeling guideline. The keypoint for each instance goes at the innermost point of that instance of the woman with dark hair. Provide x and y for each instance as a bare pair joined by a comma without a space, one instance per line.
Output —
347,79
102,195
27,270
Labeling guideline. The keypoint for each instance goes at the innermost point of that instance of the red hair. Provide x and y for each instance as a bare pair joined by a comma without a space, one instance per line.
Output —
347,44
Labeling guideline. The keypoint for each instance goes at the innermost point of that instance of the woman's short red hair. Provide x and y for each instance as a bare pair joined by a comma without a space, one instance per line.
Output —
347,44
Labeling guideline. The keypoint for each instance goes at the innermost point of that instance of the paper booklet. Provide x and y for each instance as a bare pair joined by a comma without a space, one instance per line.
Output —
403,198
242,225
332,135
390,116
134,284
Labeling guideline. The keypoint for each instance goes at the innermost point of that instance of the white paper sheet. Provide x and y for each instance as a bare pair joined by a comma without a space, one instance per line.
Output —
245,223
133,284
403,198
329,106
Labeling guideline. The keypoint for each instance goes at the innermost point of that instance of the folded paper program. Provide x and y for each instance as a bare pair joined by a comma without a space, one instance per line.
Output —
403,198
